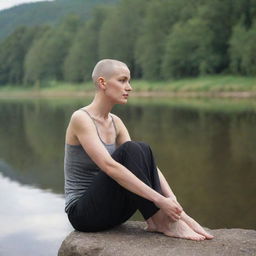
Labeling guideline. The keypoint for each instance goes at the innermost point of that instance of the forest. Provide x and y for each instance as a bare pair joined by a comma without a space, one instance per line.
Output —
46,12
159,40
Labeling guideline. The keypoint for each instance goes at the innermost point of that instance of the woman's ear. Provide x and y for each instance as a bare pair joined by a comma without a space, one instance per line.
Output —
101,83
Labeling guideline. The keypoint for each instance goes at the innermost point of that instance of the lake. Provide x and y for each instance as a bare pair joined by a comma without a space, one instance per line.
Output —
205,147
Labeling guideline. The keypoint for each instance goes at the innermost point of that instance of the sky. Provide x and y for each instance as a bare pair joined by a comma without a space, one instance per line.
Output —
5,4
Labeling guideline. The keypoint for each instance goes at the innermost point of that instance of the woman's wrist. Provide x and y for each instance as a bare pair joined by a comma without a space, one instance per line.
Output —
160,198
158,201
172,197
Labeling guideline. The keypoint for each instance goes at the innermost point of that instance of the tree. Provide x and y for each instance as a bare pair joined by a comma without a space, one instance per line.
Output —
46,57
157,39
243,50
35,60
245,11
189,50
222,15
120,31
83,53
249,56
13,51
159,19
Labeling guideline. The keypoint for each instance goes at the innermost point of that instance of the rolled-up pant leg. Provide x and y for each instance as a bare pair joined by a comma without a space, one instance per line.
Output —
106,203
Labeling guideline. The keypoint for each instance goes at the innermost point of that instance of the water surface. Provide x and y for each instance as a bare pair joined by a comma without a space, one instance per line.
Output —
205,148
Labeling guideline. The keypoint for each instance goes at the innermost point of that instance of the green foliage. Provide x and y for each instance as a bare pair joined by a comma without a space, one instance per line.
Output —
218,15
84,51
249,57
120,31
243,50
151,43
12,53
237,41
34,61
46,57
157,39
42,13
188,50
222,16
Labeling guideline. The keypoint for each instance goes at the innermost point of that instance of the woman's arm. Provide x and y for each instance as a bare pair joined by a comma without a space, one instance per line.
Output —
167,191
123,136
83,128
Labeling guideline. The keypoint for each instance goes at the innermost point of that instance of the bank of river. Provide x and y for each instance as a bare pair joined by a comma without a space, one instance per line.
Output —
53,94
208,86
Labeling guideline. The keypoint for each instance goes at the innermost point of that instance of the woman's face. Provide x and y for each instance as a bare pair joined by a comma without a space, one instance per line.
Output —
118,86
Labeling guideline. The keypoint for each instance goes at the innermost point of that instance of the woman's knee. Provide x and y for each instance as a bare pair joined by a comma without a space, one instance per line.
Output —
143,145
132,149
135,145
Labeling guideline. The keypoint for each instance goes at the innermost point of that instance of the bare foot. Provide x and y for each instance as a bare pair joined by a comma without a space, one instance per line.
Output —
151,227
180,229
195,226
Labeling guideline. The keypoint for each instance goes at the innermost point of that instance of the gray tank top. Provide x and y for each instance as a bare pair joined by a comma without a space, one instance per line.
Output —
79,169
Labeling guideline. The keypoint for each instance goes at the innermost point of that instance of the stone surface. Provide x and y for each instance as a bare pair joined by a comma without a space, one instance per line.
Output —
130,239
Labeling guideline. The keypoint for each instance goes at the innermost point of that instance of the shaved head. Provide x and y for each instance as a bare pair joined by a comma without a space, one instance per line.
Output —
106,68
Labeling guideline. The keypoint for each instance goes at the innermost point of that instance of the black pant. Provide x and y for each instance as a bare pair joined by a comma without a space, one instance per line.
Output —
106,204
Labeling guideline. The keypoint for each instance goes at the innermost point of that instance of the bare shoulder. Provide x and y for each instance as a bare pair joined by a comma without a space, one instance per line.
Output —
79,118
122,132
118,121
116,118
80,123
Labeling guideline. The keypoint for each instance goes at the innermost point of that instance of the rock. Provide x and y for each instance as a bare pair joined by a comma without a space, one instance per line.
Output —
130,239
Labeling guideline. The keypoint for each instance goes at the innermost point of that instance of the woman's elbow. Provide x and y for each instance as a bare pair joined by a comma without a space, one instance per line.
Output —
110,167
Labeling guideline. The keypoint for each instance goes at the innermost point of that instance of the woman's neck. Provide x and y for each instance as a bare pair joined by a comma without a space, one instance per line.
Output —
100,108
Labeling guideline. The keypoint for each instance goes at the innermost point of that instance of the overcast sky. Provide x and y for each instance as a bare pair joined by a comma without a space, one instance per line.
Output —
5,4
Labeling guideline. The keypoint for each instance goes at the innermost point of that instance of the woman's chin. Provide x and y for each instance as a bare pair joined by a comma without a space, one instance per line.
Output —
122,101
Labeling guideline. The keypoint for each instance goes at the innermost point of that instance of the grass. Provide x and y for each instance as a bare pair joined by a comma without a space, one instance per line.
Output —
205,104
214,83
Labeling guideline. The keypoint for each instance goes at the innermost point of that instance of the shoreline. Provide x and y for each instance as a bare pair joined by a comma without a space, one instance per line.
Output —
139,94
210,86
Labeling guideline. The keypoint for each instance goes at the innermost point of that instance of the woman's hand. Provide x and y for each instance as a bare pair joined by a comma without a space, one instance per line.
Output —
171,207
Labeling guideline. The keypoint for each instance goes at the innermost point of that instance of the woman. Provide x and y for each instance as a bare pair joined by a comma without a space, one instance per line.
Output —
108,176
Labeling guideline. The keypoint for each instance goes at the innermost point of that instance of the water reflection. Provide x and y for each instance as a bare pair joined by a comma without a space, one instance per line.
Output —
205,149
208,155
32,221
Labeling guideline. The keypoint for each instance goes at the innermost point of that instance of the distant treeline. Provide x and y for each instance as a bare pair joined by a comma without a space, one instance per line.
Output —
157,39
45,12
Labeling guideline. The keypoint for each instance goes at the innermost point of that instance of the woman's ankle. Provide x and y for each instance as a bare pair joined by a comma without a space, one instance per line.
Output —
159,221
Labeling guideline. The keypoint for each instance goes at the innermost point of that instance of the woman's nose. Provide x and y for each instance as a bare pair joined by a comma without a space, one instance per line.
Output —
128,87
